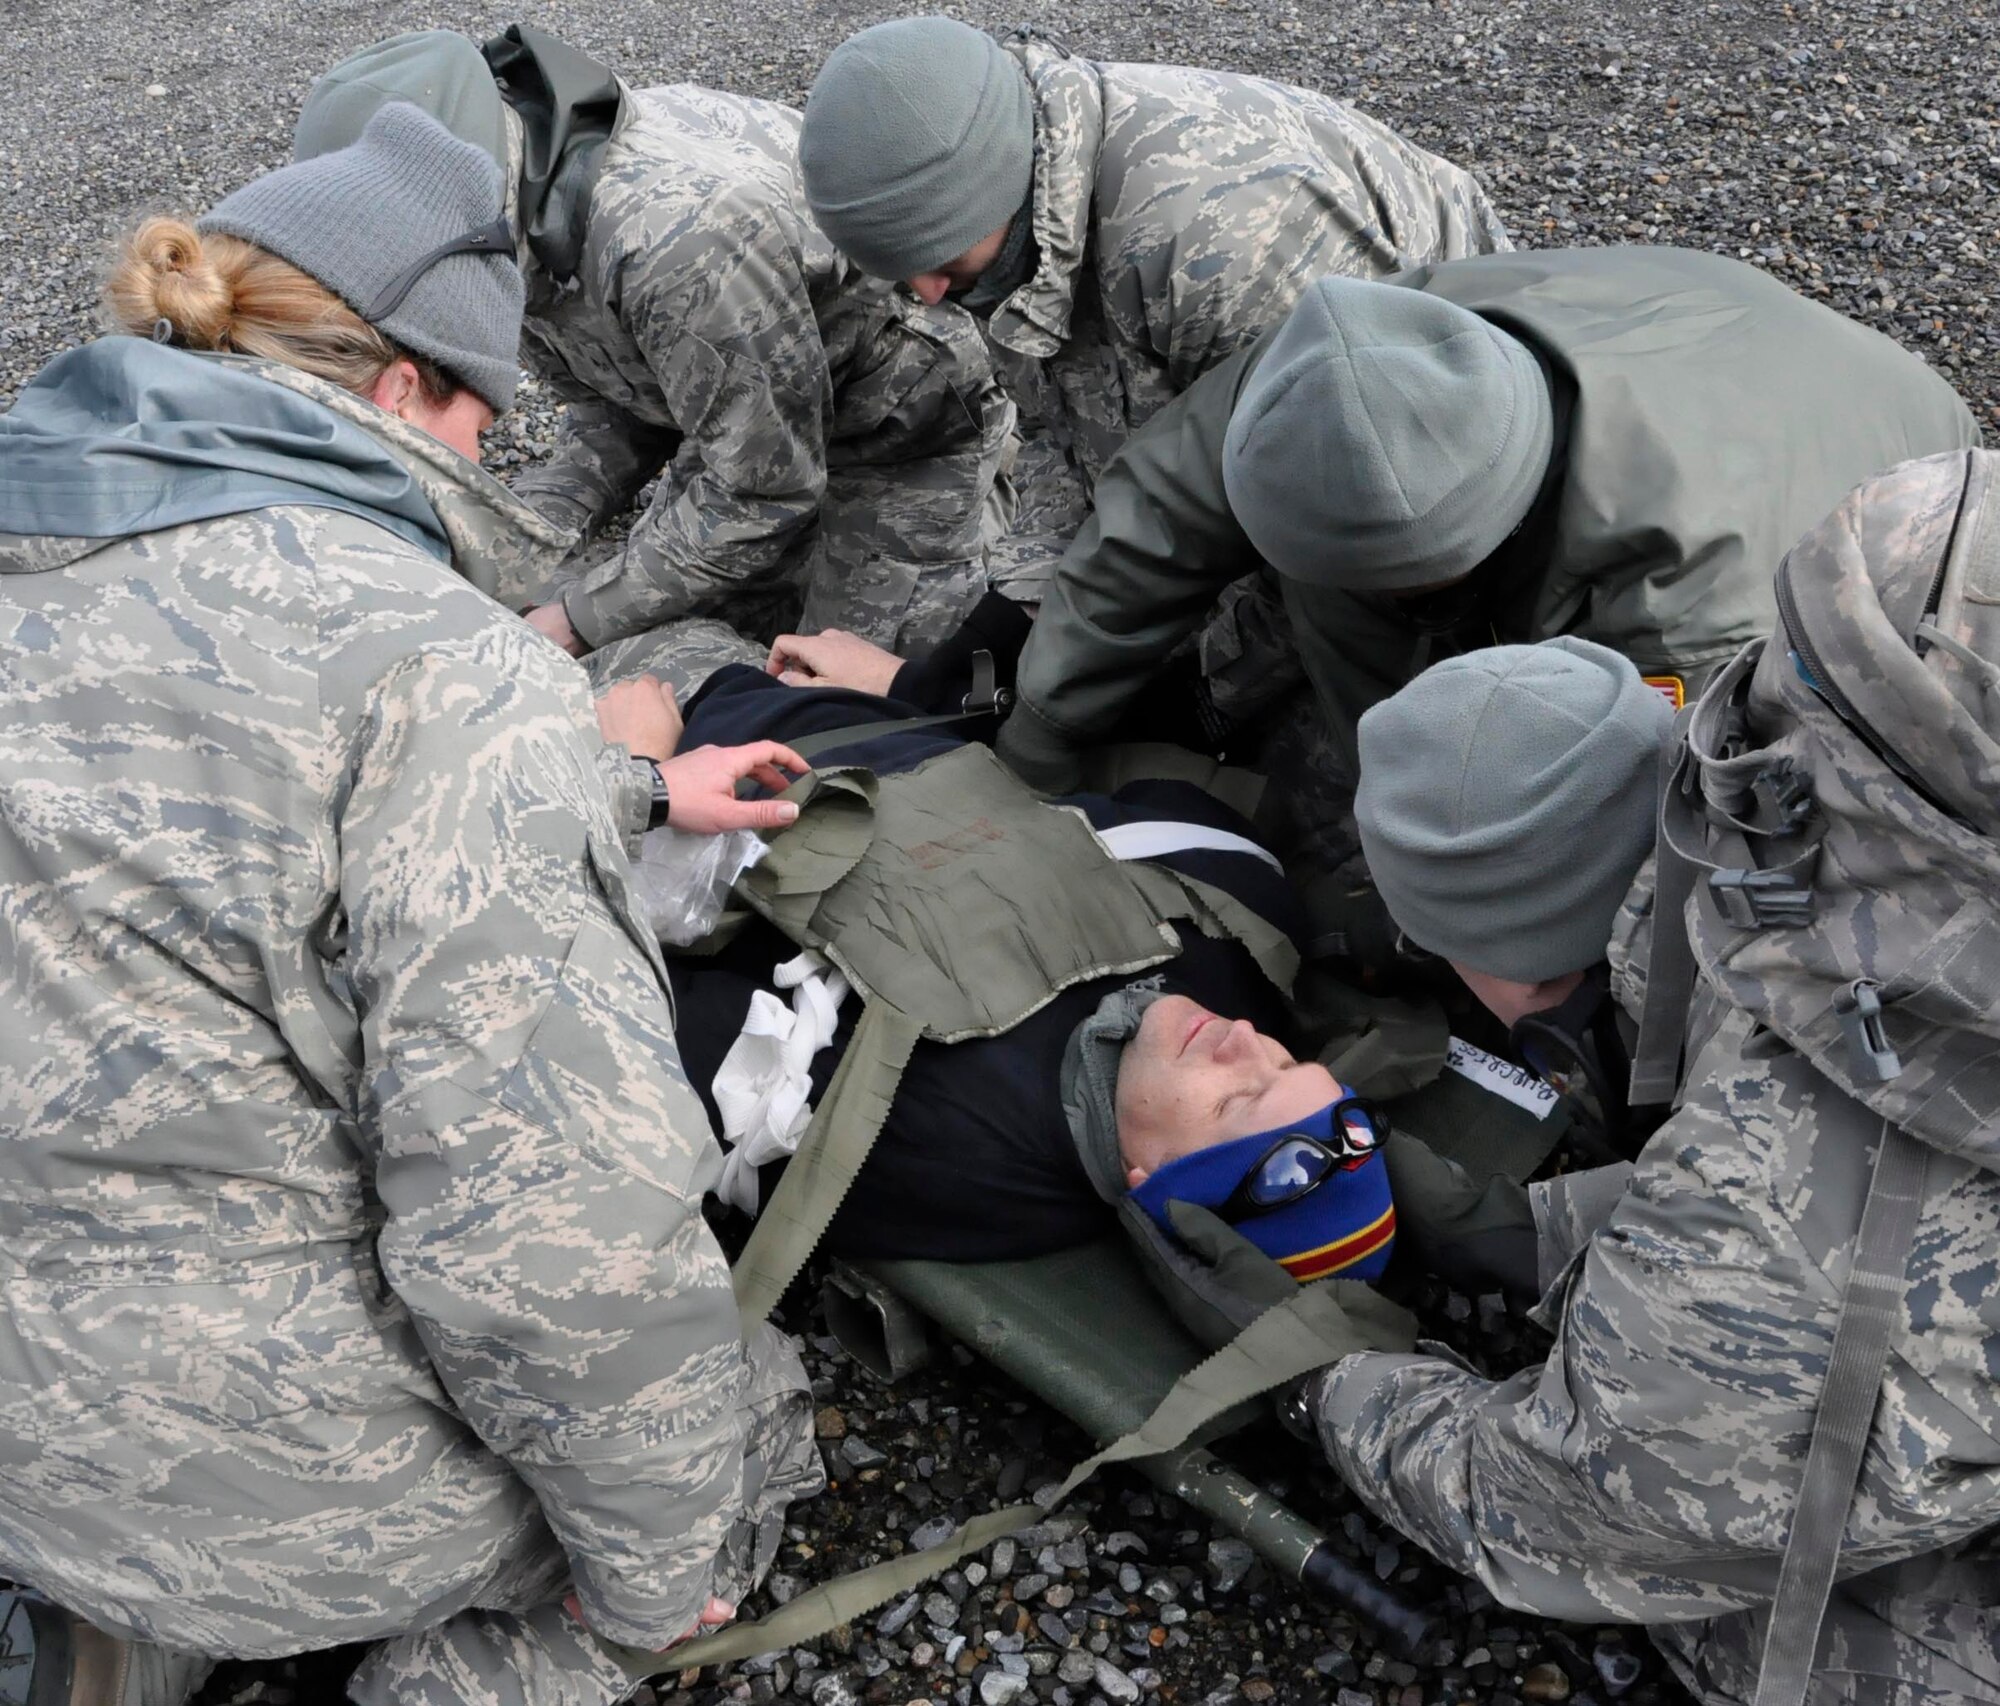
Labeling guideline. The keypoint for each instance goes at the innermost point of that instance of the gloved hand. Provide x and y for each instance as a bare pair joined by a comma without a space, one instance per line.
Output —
1476,1237
1038,752
1217,1282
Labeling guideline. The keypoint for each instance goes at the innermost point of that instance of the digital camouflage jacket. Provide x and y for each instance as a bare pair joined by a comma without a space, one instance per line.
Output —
1177,216
1649,1470
352,1269
816,428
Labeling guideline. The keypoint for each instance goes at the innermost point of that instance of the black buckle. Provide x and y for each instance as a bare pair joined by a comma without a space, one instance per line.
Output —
1762,900
987,695
1788,796
494,239
1860,1011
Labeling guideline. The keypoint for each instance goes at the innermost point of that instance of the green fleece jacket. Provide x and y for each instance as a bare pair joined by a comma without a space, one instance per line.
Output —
1707,415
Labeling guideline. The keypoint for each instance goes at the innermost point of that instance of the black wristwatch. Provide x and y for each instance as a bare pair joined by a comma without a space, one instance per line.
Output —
656,818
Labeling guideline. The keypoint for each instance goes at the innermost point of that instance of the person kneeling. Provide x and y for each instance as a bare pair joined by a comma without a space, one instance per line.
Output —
1831,1137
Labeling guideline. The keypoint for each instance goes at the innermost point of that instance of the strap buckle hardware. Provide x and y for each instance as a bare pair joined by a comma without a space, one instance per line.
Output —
1762,900
988,697
1787,795
1859,1008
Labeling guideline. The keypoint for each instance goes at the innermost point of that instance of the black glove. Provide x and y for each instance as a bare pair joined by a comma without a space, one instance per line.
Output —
1475,1237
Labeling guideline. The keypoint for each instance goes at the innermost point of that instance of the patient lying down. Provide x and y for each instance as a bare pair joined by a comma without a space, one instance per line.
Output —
1164,1084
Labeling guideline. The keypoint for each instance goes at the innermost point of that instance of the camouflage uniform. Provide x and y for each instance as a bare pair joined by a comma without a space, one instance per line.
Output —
351,1258
1177,215
1650,1469
820,431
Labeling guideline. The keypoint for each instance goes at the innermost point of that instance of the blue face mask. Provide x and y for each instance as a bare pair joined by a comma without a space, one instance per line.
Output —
1313,1195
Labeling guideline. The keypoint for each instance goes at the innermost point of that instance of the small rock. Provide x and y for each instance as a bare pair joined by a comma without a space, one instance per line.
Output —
783,1588
1028,1587
1258,1689
1053,1629
156,91
1077,1667
830,1424
1353,1697
1545,1682
935,1532
1001,1688
1124,1543
941,1611
860,1454
897,1618
1114,1684
1003,1554
1229,1561
1618,1668
1059,1597
835,1690
1129,1579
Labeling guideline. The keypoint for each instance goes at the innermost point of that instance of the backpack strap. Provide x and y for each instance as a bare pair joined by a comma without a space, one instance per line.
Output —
1754,837
1670,966
1871,1305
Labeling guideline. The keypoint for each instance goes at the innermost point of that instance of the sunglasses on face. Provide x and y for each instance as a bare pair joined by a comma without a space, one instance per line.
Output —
1297,1163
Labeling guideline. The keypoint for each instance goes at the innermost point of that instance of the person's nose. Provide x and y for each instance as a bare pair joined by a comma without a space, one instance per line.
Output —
929,288
1237,1042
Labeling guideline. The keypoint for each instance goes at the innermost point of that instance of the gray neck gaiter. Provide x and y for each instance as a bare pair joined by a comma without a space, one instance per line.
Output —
1090,1082
1011,268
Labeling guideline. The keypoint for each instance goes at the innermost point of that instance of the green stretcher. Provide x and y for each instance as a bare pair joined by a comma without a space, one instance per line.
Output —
1043,1323
1085,1332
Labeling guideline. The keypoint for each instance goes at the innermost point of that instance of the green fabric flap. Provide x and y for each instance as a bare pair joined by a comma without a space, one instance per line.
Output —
949,912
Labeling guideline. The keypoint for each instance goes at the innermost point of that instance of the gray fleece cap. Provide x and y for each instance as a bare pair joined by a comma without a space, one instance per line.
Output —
1508,799
359,218
919,140
440,72
1387,440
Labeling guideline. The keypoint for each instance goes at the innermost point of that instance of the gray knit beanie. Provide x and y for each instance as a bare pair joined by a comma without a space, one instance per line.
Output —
440,72
357,219
919,140
1507,800
1387,439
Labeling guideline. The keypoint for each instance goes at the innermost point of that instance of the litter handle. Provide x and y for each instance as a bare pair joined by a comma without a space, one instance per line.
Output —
1411,1631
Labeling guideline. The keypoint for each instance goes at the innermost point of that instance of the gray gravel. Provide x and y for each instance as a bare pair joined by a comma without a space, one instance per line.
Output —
1853,149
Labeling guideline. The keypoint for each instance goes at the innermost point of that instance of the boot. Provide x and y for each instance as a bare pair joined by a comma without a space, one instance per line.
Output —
50,1658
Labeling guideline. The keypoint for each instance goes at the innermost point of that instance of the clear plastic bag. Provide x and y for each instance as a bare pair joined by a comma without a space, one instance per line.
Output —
681,880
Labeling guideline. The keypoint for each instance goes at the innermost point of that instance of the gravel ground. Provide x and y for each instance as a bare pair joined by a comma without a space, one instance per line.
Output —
1854,149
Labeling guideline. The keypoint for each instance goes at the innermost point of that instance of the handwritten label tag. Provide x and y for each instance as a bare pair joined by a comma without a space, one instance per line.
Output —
1502,1077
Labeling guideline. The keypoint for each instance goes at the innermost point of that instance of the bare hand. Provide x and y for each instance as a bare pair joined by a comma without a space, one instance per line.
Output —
835,658
553,620
712,1616
701,787
641,716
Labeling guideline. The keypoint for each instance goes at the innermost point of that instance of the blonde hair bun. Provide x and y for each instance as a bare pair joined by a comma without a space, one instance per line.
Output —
165,273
